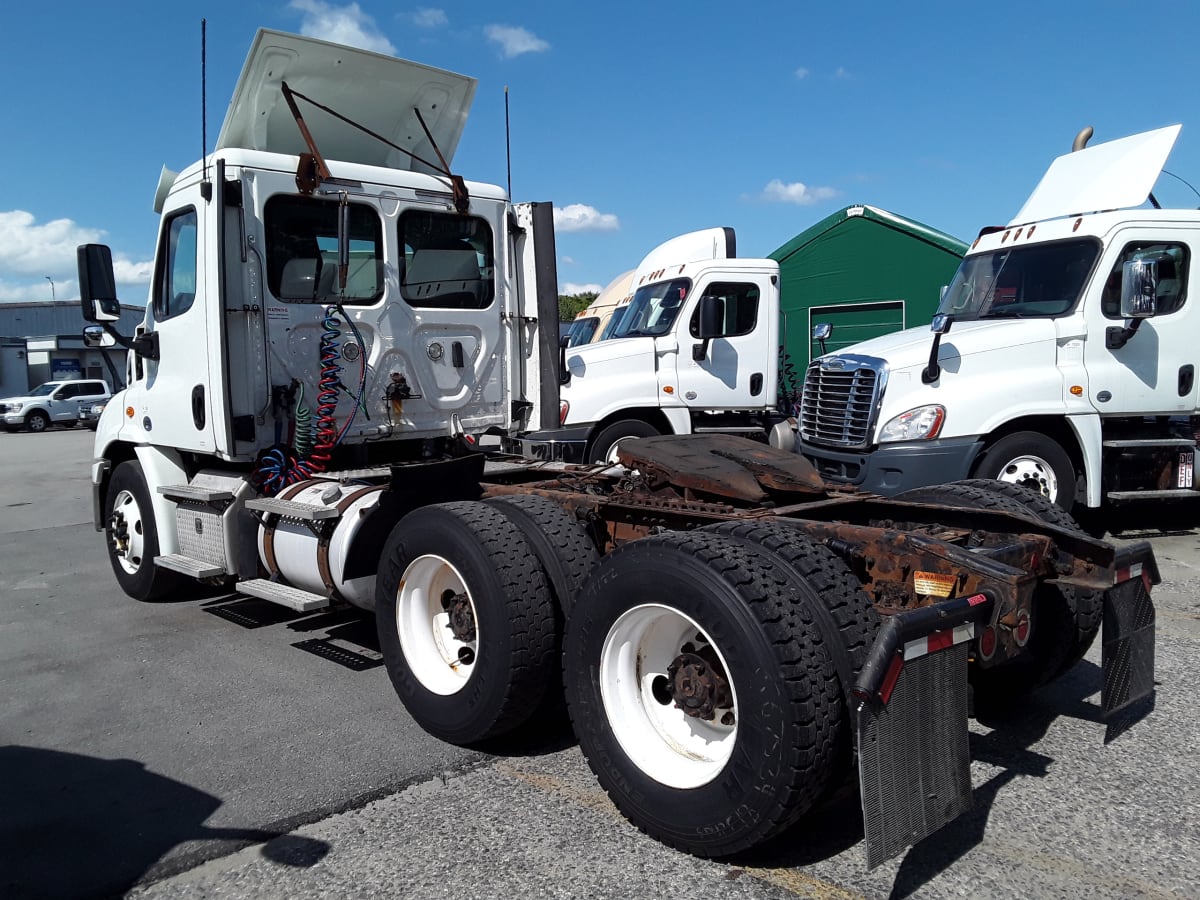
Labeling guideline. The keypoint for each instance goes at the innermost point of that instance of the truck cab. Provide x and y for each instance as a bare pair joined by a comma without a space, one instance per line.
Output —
695,350
1062,358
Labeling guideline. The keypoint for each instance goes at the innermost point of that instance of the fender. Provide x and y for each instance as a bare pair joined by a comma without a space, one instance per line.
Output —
162,466
1087,431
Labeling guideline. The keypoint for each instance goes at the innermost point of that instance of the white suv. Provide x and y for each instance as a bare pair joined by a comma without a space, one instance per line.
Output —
52,402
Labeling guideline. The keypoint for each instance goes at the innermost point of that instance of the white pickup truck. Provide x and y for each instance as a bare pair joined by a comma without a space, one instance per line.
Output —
55,402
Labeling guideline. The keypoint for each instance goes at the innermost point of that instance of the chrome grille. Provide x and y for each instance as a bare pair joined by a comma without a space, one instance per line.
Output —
838,404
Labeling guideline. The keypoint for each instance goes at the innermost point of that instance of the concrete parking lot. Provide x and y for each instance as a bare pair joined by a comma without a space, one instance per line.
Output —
217,746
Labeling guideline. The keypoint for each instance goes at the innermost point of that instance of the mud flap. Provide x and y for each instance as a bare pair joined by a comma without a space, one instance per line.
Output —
1128,652
913,755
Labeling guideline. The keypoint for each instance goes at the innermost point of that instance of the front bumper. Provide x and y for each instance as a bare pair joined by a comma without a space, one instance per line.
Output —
892,468
555,444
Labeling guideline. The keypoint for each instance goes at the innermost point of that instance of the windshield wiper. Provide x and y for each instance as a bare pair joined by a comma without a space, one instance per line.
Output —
1005,314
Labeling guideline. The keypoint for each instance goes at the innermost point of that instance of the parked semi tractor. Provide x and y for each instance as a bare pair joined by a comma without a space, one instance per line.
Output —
596,323
330,314
1063,356
863,271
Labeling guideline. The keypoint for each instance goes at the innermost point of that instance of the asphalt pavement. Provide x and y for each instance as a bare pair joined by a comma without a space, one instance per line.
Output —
220,747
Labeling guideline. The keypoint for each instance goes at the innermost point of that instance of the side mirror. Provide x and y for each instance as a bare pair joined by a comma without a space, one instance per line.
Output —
1139,288
95,336
940,323
97,285
711,324
821,332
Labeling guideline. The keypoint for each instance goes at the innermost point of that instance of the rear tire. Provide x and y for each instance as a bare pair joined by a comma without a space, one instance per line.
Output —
1053,631
1086,607
703,622
466,621
132,536
603,447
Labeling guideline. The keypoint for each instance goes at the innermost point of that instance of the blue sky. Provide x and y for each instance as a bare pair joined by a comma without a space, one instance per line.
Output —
639,121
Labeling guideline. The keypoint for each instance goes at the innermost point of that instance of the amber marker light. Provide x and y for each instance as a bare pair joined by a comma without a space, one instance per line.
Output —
667,389
129,412
1077,390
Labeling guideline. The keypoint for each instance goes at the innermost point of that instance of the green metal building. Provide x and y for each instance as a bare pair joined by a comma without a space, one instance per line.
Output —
865,271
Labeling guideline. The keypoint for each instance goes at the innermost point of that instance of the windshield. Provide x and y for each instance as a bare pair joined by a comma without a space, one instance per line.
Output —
614,322
582,330
43,390
653,309
1039,280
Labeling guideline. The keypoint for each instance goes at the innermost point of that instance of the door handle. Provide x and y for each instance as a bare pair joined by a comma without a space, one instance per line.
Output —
756,384
1187,377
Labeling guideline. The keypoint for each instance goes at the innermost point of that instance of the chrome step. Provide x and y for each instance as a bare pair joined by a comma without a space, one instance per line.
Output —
290,509
177,562
1171,494
194,493
1141,443
283,594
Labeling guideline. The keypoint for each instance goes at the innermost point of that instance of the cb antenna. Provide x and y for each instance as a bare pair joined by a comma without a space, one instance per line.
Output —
507,145
205,184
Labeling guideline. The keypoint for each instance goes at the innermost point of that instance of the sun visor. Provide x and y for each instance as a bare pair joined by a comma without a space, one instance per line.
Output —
1115,175
376,91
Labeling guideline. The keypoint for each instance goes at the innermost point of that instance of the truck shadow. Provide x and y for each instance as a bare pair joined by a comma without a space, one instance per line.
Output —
79,826
1145,520
836,826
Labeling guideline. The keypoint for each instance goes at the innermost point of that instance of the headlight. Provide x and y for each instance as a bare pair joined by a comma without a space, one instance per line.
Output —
921,424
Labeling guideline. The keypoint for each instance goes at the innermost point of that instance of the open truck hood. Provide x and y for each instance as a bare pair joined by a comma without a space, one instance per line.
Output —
1115,175
376,91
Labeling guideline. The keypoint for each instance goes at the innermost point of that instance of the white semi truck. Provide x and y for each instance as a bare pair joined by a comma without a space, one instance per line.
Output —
1063,357
731,635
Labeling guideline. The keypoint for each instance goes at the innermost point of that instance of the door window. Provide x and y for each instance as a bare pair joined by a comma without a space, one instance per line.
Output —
1172,266
67,392
740,308
175,279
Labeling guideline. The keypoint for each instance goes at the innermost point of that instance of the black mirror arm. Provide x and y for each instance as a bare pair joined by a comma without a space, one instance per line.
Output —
1117,336
564,374
700,351
145,345
933,371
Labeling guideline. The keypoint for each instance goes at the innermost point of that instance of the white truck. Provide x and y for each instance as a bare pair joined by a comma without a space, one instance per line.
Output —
713,612
1062,355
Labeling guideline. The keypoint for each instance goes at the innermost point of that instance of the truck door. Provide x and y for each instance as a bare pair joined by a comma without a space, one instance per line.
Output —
174,398
738,371
1154,373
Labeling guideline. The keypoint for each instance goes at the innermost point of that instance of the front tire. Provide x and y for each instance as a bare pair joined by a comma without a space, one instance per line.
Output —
466,621
132,536
604,446
1033,461
699,692
37,421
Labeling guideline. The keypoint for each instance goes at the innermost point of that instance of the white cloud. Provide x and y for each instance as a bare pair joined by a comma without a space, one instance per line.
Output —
342,25
31,251
514,41
579,217
796,192
27,248
570,289
802,72
430,18
841,74
567,260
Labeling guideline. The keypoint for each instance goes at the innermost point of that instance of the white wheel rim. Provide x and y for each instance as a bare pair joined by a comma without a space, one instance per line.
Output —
611,459
1032,472
128,547
437,659
674,749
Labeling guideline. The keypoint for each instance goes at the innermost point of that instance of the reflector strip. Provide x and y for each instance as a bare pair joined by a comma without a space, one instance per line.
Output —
939,640
1133,571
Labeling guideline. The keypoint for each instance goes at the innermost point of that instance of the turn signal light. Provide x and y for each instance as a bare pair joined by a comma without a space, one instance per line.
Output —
1076,390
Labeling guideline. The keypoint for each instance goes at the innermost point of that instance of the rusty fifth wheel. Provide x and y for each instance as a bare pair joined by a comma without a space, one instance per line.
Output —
466,621
700,693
